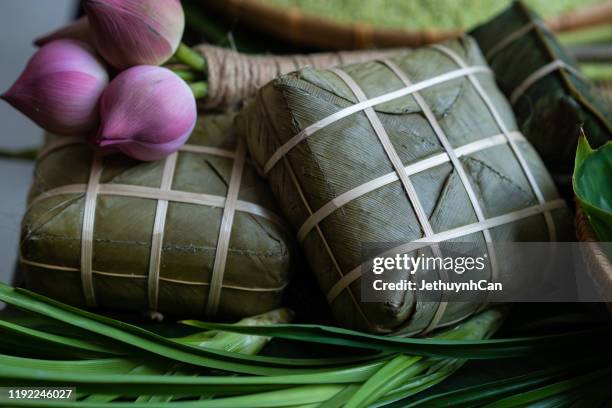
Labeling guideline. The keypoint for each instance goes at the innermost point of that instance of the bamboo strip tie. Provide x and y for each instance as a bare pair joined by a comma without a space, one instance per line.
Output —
158,232
151,193
393,157
414,168
450,234
502,126
483,224
387,145
164,194
458,167
540,73
145,277
345,112
331,255
89,218
227,222
513,36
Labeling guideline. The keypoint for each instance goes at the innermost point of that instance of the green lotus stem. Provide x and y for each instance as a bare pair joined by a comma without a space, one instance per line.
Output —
25,154
190,58
199,89
184,74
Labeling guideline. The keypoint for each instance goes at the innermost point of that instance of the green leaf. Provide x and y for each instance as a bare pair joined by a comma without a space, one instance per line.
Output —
139,338
385,388
46,324
432,347
538,394
235,342
110,396
338,400
162,371
407,384
386,379
57,367
77,347
289,397
115,373
476,395
583,151
592,186
435,375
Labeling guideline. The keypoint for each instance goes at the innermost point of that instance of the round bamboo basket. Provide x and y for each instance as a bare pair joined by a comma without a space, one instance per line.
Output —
596,261
300,28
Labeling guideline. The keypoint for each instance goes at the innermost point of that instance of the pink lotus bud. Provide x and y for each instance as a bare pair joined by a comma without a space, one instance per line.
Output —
60,88
136,32
78,30
147,113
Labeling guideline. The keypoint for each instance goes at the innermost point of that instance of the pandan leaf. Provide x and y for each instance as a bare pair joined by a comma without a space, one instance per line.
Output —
431,347
134,337
561,390
386,379
165,372
81,348
593,186
480,394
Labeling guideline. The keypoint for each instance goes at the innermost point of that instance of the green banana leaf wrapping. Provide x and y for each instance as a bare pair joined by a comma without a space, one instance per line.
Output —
258,260
347,153
552,110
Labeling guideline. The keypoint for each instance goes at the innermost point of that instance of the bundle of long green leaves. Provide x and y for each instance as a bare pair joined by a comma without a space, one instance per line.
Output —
115,364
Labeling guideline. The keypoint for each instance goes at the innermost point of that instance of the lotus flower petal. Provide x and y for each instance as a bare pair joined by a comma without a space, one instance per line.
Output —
78,30
60,88
136,32
147,113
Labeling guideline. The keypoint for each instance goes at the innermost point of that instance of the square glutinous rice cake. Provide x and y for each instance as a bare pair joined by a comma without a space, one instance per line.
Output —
553,101
419,148
197,233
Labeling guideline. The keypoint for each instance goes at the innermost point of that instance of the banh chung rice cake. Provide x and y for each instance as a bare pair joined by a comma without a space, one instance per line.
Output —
421,147
194,234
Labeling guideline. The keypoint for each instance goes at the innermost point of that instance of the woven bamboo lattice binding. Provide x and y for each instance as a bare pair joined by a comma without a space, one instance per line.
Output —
550,96
597,262
275,163
162,195
301,28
